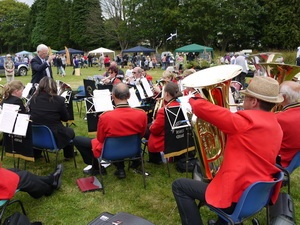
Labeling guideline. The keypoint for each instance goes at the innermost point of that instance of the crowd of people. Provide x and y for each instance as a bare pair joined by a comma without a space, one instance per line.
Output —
256,136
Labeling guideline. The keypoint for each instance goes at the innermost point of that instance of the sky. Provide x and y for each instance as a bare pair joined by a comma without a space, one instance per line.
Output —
28,2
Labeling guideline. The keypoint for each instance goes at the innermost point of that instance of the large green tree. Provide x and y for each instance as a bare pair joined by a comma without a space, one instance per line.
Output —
13,19
86,24
280,24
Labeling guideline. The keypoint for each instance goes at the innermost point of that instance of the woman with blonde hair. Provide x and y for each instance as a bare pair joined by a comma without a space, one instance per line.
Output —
12,93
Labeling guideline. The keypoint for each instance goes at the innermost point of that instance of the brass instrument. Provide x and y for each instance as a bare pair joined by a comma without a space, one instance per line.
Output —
159,100
213,84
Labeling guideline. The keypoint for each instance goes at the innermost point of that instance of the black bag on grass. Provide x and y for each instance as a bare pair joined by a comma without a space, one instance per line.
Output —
19,219
181,165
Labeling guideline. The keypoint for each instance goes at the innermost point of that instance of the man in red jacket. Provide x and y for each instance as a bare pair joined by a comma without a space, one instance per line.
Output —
35,186
289,120
253,142
121,121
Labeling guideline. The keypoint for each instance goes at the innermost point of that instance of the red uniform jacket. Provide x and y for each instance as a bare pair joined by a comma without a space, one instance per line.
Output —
253,142
156,142
9,183
289,120
121,121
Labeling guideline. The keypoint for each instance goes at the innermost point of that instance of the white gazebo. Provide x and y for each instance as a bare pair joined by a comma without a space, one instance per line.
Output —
102,51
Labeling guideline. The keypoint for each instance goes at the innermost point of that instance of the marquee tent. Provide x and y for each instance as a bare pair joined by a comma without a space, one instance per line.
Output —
195,48
71,51
138,49
24,53
102,51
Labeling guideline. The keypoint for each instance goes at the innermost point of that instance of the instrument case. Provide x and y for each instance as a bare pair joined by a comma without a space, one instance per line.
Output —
282,213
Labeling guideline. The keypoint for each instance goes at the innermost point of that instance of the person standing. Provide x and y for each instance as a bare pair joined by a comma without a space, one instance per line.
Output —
40,65
9,67
101,61
289,120
241,61
245,161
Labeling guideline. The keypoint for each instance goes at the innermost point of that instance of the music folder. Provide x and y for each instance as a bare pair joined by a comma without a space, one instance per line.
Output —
89,184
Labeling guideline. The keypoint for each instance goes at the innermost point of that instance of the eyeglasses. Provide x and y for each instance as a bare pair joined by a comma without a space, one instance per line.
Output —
133,72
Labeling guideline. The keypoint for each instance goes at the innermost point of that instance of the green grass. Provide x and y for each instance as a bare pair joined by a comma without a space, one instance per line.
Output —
69,206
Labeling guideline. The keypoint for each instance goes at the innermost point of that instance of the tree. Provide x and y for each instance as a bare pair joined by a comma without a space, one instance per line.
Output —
86,24
13,17
37,23
280,24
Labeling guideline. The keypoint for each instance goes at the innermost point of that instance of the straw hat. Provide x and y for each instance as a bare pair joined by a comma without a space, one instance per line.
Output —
8,55
265,89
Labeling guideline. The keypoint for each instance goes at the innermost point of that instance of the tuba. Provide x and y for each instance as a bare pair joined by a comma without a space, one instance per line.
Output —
214,85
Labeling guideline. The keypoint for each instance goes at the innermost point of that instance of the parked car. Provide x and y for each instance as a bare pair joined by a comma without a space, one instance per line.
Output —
21,68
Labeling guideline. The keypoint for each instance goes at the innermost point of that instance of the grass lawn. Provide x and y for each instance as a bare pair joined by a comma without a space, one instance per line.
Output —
69,206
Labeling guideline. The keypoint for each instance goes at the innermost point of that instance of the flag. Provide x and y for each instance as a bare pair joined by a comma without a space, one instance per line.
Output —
68,56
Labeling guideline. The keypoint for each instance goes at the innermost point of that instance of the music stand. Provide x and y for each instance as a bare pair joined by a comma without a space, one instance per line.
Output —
15,126
177,129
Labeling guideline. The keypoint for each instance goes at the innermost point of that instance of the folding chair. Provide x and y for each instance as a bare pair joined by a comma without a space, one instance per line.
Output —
294,164
79,98
43,139
5,203
117,149
254,199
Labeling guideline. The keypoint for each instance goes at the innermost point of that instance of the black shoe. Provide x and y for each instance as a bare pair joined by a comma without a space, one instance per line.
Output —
57,176
120,174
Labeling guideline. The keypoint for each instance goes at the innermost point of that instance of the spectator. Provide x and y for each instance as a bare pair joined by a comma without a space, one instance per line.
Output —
9,67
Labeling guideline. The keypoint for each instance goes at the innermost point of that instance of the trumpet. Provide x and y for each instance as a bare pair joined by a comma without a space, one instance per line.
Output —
213,84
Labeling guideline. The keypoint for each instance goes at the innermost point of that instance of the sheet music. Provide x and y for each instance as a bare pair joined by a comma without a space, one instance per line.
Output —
21,124
8,117
26,90
185,105
102,100
147,87
140,90
133,101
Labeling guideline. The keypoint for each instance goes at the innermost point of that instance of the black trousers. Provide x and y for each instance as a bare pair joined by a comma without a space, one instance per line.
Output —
36,186
84,146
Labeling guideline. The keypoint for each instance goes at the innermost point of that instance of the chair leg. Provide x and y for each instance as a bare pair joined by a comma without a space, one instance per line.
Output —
10,203
56,159
143,170
74,158
168,168
101,178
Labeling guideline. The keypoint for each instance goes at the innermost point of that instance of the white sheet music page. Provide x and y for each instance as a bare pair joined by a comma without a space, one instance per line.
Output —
185,106
26,90
140,90
102,100
147,87
133,101
21,124
8,117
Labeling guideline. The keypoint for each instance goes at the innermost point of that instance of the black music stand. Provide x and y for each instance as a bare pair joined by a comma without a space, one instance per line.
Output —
178,138
17,136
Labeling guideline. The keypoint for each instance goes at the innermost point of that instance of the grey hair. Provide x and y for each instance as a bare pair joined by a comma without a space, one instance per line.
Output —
290,91
41,47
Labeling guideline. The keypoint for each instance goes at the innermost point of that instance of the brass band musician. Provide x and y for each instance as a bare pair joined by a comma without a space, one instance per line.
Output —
289,120
157,128
253,142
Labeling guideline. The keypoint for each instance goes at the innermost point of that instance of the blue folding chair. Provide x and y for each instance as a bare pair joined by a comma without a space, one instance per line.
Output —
5,203
79,98
43,139
117,149
294,164
254,199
